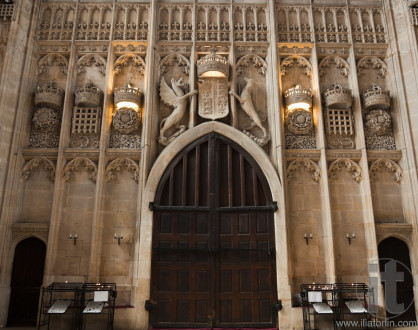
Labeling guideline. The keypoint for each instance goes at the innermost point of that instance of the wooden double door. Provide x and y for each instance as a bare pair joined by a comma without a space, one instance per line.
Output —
213,262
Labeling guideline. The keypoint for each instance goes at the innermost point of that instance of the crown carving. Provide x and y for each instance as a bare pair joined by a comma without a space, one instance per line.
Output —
88,96
127,93
376,98
338,96
213,62
49,96
412,3
298,94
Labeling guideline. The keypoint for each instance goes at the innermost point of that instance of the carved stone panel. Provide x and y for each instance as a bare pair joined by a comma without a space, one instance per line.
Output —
213,98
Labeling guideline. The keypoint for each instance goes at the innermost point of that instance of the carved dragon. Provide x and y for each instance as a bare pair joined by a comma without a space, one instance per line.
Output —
176,99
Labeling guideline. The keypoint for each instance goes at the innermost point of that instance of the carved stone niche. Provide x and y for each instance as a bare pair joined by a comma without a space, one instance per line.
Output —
377,119
49,96
213,72
298,102
338,117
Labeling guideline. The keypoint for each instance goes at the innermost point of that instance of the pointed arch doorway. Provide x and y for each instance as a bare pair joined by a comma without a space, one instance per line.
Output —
213,262
27,275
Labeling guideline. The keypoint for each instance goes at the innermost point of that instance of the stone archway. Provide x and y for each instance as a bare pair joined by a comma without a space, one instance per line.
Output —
397,279
213,256
146,223
26,282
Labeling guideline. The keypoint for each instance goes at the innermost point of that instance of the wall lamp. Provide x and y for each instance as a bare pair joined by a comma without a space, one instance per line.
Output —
349,238
73,237
127,96
307,238
118,237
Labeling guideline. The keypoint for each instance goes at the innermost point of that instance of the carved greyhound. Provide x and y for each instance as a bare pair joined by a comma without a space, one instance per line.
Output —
176,99
248,106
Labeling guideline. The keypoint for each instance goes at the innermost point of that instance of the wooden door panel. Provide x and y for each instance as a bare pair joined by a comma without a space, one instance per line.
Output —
212,262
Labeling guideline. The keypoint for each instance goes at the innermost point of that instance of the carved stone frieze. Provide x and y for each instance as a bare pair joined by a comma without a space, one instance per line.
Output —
342,51
123,153
387,165
29,153
313,155
94,21
132,22
300,141
395,155
126,120
294,24
125,141
354,155
38,163
349,165
131,48
295,50
79,164
116,166
307,164
298,61
52,60
385,142
91,60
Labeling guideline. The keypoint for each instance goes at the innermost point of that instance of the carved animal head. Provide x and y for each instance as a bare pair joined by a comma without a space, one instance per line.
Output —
250,83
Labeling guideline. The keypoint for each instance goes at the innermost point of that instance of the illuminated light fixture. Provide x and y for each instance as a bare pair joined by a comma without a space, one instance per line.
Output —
213,65
298,98
127,96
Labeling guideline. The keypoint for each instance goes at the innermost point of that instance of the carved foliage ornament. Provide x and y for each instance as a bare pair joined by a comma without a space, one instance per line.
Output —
79,164
172,59
307,164
117,164
336,61
90,60
372,62
388,165
52,60
350,166
298,61
37,163
254,60
137,63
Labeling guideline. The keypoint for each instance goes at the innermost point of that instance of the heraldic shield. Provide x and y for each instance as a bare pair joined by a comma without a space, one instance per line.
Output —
213,97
